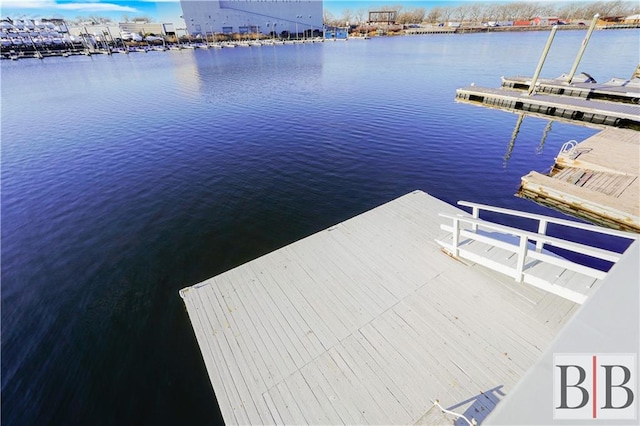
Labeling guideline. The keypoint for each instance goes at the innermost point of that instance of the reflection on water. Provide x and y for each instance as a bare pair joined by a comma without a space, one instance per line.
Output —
545,134
512,141
128,177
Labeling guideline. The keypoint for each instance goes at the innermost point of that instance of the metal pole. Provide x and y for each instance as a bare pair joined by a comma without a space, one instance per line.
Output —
583,47
542,59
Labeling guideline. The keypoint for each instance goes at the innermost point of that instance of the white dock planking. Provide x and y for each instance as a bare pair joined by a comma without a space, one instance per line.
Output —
368,322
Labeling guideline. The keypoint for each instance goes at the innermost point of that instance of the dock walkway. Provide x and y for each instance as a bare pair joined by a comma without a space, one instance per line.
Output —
368,322
597,112
615,90
596,179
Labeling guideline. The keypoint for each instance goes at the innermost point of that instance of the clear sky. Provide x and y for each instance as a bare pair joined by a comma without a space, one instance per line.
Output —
169,10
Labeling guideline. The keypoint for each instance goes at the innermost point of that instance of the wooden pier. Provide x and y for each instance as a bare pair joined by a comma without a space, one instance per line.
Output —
596,179
369,321
432,29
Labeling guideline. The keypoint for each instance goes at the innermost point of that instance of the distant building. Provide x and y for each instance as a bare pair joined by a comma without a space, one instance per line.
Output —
252,16
545,20
632,19
141,27
383,17
101,32
337,33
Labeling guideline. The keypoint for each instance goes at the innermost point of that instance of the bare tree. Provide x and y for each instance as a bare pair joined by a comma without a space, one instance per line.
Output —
347,16
474,11
490,12
589,10
328,18
460,13
447,12
434,15
569,11
418,14
544,10
411,16
360,15
614,8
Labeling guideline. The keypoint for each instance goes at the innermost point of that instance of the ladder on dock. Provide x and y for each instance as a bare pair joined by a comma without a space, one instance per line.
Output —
523,255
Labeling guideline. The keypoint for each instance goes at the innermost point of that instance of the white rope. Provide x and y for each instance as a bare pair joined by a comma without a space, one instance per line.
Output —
471,422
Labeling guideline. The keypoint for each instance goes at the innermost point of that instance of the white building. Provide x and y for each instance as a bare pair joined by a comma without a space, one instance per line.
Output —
142,27
267,17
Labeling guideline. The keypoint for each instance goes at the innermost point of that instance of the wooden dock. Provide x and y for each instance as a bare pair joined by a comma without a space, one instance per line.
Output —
368,322
432,29
596,179
576,109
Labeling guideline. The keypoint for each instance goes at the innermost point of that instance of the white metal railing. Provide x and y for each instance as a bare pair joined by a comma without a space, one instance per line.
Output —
568,147
524,238
543,221
571,150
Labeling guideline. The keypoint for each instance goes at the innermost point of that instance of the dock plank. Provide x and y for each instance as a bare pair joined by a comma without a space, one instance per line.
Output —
611,197
295,282
317,380
222,385
282,364
287,405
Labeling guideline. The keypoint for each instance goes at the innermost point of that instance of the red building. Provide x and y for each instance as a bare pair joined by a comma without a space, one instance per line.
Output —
545,20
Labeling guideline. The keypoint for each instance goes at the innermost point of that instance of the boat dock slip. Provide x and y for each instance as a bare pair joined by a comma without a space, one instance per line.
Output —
370,322
616,90
596,179
565,107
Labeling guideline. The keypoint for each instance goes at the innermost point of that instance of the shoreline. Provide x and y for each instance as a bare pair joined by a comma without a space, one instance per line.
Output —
65,50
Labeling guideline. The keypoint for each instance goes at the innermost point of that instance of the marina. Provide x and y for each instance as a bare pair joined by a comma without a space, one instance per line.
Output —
205,167
571,97
596,179
369,321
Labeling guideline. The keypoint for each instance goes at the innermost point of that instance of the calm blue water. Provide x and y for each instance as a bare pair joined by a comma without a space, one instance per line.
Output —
127,178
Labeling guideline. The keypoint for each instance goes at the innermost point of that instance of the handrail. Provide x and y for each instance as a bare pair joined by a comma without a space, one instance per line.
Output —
568,146
464,231
553,241
548,219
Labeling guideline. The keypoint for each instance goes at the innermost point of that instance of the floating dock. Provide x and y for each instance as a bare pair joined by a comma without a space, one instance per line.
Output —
369,321
572,108
614,90
596,180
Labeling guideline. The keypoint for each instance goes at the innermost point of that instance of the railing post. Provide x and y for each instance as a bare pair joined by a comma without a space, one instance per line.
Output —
475,212
542,229
522,255
455,237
